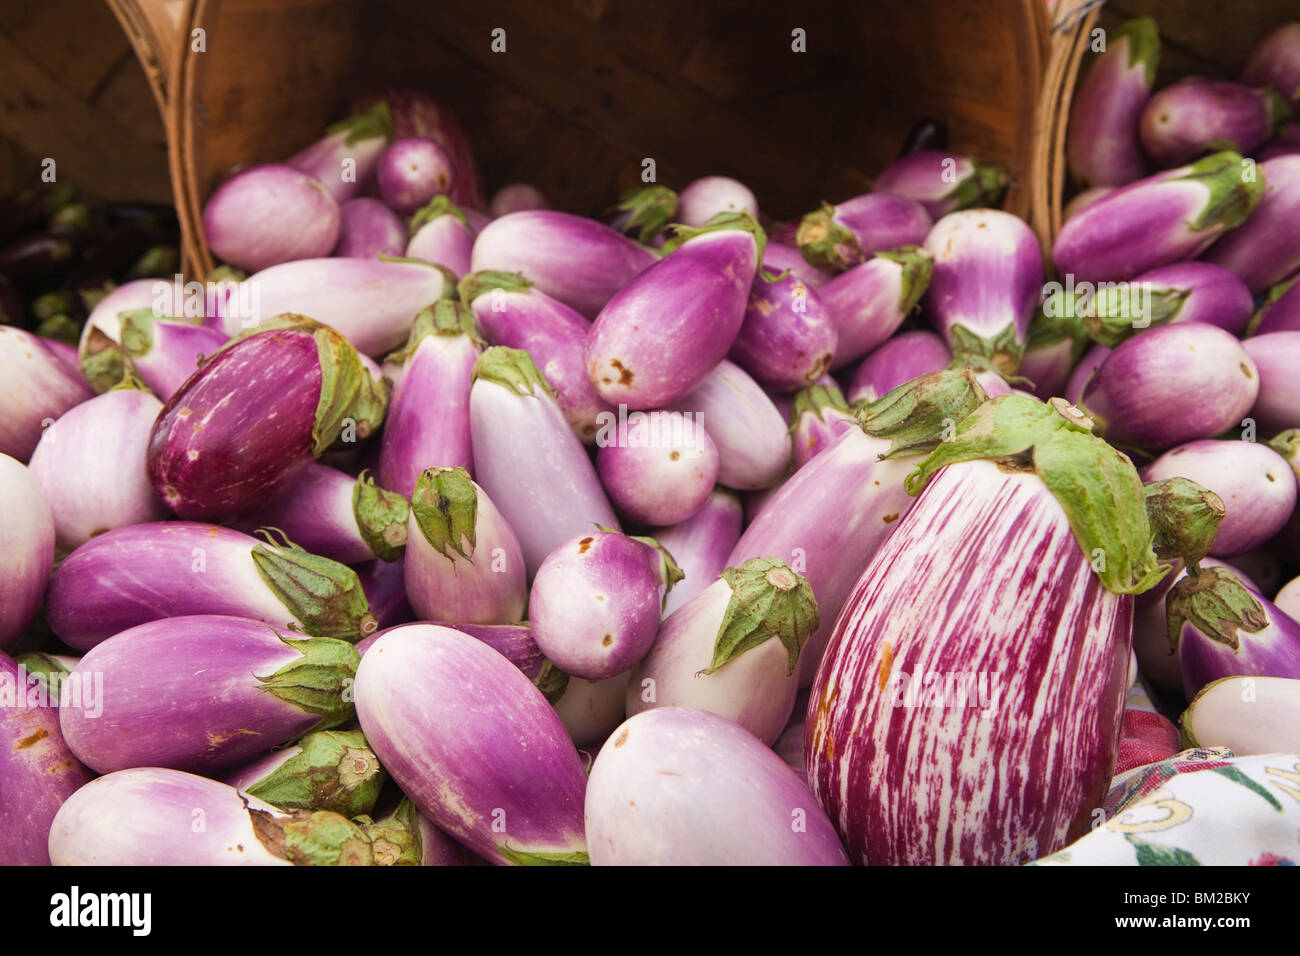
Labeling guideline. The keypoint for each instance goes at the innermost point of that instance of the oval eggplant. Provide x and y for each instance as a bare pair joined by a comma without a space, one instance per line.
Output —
516,197
1195,115
1248,715
709,196
1102,146
270,214
368,229
345,158
869,302
39,387
166,352
943,182
441,233
896,362
1265,249
27,529
700,545
787,339
1274,61
664,470
839,237
1277,406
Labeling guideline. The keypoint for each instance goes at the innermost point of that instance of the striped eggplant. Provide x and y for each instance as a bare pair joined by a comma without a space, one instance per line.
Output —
943,182
1265,249
1248,715
164,352
441,233
867,303
463,560
28,531
37,771
787,340
516,197
1280,311
818,417
270,214
1274,61
256,414
519,431
899,360
839,237
709,196
1171,216
428,415
369,229
412,171
90,465
577,260
979,667
261,690
327,770
700,545
663,472
984,286
1195,115
1275,354
345,158
695,298
682,787
39,387
474,745
511,311
1102,146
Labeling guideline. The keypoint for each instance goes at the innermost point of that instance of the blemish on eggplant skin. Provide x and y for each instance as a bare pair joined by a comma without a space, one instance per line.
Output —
32,739
622,739
1245,370
584,544
886,665
625,375
890,519
607,640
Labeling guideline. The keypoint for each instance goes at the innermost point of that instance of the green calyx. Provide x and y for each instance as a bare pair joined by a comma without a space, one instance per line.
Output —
138,329
370,123
815,400
551,681
1095,484
1000,352
1287,444
1143,44
45,669
1058,320
313,838
1216,603
722,222
1279,110
226,273
648,210
1233,196
982,189
318,681
61,327
381,518
445,317
445,506
768,600
917,415
395,840
325,595
826,243
663,563
131,381
336,770
1184,518
512,369
489,280
156,262
51,304
542,857
1116,314
102,361
917,267
1274,293
436,208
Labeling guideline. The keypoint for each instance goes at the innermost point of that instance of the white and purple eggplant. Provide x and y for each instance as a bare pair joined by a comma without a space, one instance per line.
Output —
165,351
515,643
412,171
474,744
369,229
985,286
1196,115
344,160
1102,146
943,182
39,387
779,257
818,417
901,359
1288,598
695,298
591,709
28,531
262,690
270,214
427,424
518,429
384,585
1248,715
463,561
1280,311
145,572
700,545
256,414
1275,356
787,339
331,770
1085,198
839,237
990,630
577,260
682,787
1265,249
1084,371
663,472
516,197
1274,61
1058,337
709,196
441,233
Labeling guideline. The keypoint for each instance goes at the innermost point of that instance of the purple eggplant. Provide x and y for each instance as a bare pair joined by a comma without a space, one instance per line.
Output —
750,433
787,339
1205,293
39,387
985,284
1196,115
838,237
145,572
595,604
28,531
428,414
1276,357
700,545
779,257
1265,249
1083,199
579,261
138,294
694,298
516,197
440,233
518,429
1170,385
384,585
257,413
1274,61
733,649
819,416
515,643
263,690
1102,146
1280,311
660,469
463,561
683,787
896,361
474,745
1285,143
38,772
327,770
1058,336
90,466
1165,218
1084,371
943,182
412,171
511,311
1247,715
368,229
345,159
710,196
270,214
164,352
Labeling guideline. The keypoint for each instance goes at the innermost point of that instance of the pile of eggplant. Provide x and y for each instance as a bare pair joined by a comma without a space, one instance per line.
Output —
440,530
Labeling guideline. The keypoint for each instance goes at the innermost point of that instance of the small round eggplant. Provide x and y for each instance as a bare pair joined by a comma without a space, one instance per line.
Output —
412,171
899,360
270,214
709,196
369,229
516,197
663,472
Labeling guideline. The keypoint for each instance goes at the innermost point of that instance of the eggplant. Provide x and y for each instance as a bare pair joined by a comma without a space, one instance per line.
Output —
270,214
412,171
89,466
1204,293
787,339
1165,218
579,261
39,387
1085,198
1248,715
700,545
368,229
166,352
779,257
1274,61
1004,590
1170,385
897,361
1275,355
1196,115
428,414
694,298
331,770
1084,371
516,197
943,182
591,709
595,604
440,233
384,585
345,158
660,469
263,690
511,311
515,643
474,745
463,560
683,787
106,314
1280,311
819,416
984,286
1265,249
215,452
517,427
28,531
145,572
37,261
643,213
1288,598
1285,143
838,237
1058,336
709,196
